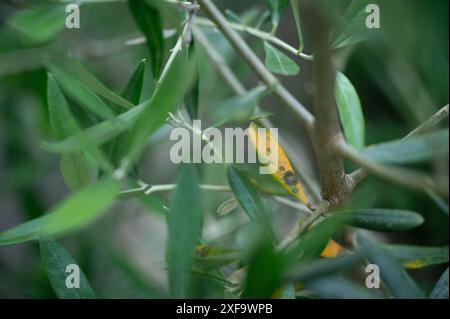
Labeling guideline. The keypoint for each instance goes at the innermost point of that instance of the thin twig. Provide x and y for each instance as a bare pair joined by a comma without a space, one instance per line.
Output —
258,67
406,177
147,189
358,175
303,225
261,35
184,5
296,205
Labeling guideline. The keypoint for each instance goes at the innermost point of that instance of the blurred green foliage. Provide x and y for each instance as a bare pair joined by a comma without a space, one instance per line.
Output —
401,76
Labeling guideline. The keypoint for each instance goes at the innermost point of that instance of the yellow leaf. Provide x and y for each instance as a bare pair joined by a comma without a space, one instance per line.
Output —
284,174
332,250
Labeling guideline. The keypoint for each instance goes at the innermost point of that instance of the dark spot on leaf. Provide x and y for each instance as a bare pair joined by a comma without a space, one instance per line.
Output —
289,178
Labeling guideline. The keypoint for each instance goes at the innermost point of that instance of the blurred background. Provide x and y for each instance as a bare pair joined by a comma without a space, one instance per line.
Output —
401,77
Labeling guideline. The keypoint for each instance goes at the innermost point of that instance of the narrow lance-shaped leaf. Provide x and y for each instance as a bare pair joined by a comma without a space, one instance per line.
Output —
185,226
74,212
132,92
339,287
440,291
264,273
350,111
414,257
58,265
69,67
278,62
166,98
382,219
192,99
83,95
74,167
248,198
149,22
397,280
100,133
411,150
298,25
39,24
267,148
313,243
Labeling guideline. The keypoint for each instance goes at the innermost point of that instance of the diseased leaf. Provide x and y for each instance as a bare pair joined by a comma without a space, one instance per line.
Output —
332,250
414,257
69,67
382,219
149,22
185,227
269,151
440,291
39,24
278,62
276,8
74,167
56,259
248,198
397,280
71,214
350,111
411,150
264,273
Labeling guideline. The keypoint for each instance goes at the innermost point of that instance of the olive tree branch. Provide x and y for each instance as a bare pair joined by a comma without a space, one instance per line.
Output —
336,185
303,225
358,175
257,66
147,189
406,177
